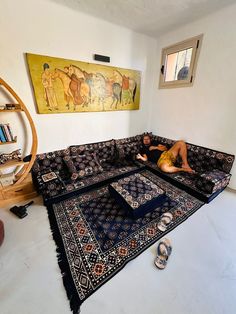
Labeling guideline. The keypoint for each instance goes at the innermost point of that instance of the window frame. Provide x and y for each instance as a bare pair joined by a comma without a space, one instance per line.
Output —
194,43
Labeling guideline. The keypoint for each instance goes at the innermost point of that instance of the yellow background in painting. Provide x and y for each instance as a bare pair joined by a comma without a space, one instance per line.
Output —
36,62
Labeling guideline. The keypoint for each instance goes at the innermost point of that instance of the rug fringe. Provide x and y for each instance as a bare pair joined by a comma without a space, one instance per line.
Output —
70,288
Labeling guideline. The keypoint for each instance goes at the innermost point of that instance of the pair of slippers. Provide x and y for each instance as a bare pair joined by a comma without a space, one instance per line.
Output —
165,220
164,250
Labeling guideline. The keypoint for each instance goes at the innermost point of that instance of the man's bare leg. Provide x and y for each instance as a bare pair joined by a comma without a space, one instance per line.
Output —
180,148
172,169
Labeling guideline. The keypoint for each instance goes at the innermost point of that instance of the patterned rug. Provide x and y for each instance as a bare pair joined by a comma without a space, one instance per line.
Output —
96,238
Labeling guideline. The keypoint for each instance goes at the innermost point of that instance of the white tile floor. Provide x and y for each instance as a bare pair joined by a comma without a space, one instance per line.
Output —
200,276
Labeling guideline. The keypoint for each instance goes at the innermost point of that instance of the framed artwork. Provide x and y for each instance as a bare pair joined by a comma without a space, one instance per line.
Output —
62,85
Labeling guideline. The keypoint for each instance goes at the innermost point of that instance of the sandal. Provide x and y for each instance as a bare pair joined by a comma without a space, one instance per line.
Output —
164,250
165,220
161,262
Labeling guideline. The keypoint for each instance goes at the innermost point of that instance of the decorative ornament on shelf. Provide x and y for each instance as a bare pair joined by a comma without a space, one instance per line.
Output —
15,155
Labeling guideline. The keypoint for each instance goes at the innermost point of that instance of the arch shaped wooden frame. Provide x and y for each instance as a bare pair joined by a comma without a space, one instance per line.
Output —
27,167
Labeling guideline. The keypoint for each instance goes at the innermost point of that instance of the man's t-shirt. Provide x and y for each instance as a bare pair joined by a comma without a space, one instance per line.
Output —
152,155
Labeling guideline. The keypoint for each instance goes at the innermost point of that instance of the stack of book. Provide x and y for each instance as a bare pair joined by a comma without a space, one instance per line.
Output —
6,134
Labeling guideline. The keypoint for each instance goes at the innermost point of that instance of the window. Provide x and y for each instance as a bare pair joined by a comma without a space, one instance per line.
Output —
179,62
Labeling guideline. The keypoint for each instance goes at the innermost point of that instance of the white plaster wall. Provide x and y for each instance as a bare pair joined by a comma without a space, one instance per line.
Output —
204,114
44,27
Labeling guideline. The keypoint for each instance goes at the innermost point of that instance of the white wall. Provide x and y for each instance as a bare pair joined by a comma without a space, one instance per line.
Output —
204,114
47,28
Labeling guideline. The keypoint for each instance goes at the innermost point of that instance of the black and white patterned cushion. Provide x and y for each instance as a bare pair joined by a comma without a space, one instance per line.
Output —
202,159
81,166
105,151
137,193
212,181
128,148
52,161
49,183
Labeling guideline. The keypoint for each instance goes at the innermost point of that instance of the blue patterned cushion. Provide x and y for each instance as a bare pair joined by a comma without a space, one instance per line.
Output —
212,181
81,166
202,159
128,151
164,141
105,151
49,181
137,194
128,148
52,161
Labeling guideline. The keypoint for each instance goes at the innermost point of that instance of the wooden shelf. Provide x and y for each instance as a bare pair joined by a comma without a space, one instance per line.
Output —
11,110
20,107
8,142
15,193
12,163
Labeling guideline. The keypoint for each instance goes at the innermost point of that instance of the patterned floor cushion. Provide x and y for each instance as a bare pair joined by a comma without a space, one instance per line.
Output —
49,183
137,194
203,160
187,182
109,166
56,189
212,181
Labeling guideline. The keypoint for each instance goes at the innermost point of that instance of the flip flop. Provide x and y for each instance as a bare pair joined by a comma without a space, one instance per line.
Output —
161,226
160,262
165,220
164,248
167,215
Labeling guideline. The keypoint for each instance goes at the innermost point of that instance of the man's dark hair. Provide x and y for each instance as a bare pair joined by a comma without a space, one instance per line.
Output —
146,135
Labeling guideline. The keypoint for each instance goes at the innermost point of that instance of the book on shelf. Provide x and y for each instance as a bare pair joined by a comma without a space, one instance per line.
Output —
6,134
2,137
10,131
9,139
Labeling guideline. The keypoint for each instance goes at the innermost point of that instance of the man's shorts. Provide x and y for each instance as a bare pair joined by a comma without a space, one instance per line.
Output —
167,158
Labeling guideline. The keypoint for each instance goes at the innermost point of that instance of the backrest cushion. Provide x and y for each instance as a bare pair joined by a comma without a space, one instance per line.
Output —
83,165
128,148
52,161
105,151
164,141
202,159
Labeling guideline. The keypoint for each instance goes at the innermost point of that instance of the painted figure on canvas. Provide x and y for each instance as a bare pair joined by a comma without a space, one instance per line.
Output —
49,93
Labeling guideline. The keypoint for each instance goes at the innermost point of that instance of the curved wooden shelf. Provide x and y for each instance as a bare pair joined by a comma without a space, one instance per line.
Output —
9,142
26,166
10,110
12,163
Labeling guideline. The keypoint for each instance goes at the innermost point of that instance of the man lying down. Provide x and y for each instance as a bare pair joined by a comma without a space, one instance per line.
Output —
163,157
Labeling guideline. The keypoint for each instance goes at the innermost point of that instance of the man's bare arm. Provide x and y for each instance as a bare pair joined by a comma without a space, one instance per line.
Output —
159,147
142,157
